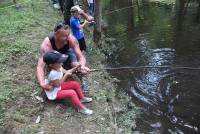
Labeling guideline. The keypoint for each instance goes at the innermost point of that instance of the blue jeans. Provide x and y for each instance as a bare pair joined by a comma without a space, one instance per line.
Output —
91,9
71,59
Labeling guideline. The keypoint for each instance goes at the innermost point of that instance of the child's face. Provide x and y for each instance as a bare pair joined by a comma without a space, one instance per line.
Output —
56,66
77,14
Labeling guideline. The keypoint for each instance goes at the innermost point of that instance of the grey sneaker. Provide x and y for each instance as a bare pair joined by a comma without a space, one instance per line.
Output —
86,111
86,100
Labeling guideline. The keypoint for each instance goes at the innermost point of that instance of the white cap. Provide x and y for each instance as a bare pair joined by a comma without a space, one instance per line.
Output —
77,7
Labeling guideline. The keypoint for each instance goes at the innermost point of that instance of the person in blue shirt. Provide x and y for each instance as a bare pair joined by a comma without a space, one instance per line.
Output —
77,27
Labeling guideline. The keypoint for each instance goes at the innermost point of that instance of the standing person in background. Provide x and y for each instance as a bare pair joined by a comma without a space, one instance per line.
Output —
77,28
91,7
56,4
67,5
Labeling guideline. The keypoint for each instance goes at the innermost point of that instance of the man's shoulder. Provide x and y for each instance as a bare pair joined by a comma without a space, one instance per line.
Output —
45,46
71,37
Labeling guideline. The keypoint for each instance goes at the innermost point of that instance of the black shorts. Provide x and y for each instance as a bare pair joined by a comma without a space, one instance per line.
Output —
82,44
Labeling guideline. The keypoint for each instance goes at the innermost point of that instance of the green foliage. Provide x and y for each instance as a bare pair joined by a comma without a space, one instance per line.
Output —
33,129
127,122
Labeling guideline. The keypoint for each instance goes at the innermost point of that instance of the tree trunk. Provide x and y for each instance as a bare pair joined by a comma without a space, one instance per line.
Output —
198,12
97,17
131,19
85,5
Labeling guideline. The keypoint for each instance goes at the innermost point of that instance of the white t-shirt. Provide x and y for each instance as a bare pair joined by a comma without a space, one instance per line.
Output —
91,1
53,75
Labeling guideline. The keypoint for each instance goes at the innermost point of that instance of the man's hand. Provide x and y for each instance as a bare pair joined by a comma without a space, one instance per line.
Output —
85,70
46,86
86,22
90,18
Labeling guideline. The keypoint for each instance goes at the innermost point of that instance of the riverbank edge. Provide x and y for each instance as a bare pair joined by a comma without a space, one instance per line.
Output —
123,111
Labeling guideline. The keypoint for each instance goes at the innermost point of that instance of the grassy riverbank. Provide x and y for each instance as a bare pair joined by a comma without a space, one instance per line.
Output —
22,30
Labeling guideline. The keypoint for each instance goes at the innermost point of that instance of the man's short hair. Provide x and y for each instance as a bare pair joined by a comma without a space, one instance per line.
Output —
60,25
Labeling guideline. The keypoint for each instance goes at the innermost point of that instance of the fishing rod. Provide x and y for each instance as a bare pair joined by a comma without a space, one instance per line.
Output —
144,67
109,12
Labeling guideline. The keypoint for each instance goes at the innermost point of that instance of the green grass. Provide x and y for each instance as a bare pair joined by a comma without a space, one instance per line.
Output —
20,25
22,30
8,3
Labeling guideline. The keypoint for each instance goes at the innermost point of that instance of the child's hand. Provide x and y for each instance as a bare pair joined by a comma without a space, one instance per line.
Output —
86,22
76,68
68,73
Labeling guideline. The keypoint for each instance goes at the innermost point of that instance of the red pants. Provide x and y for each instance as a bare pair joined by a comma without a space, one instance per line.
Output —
72,91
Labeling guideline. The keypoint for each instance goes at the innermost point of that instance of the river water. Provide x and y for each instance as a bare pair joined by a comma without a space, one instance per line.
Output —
156,34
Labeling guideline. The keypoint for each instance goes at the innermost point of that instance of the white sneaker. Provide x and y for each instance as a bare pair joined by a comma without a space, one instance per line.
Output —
86,100
86,111
56,6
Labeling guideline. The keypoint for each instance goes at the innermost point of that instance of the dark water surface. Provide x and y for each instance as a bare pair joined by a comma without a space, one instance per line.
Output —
158,34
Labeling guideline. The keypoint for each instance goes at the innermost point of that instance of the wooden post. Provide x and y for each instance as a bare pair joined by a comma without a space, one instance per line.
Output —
97,18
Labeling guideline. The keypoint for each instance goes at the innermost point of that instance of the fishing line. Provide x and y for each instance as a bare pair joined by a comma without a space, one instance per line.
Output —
144,67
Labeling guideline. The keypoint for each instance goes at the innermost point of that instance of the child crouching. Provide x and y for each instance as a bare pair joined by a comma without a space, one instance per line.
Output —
62,89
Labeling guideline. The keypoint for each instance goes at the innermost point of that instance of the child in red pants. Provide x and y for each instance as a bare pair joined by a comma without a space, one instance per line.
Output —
63,90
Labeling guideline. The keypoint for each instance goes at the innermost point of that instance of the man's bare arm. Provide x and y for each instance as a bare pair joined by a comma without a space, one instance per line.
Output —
87,17
79,54
41,65
81,58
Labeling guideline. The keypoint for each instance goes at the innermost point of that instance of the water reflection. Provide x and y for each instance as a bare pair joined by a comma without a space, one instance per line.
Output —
159,34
